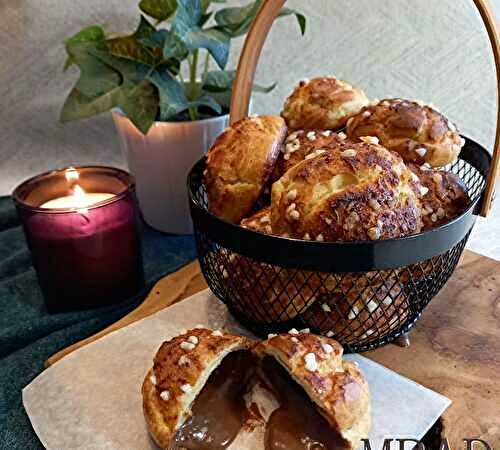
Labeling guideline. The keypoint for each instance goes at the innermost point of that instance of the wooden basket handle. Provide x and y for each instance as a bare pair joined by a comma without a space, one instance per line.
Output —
254,42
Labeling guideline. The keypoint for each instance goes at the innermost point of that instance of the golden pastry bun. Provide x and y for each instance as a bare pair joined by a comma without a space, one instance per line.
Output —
352,192
445,196
302,144
419,133
322,103
178,375
240,164
337,387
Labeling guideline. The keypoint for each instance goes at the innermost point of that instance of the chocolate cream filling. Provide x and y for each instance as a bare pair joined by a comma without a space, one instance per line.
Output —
296,424
220,411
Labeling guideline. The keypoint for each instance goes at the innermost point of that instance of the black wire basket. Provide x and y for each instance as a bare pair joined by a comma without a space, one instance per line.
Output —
363,294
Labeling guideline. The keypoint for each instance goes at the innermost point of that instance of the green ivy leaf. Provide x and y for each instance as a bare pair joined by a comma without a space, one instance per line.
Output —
222,80
174,47
206,3
93,33
96,77
79,106
173,99
186,26
301,19
131,47
158,9
236,21
156,39
140,104
216,42
131,71
206,100
144,29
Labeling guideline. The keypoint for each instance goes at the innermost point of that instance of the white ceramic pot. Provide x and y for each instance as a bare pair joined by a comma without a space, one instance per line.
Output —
160,162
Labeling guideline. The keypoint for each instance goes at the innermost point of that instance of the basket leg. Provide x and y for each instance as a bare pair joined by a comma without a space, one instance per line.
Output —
403,340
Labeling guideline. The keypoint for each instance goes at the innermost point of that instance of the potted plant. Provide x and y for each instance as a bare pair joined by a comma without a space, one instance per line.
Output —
166,112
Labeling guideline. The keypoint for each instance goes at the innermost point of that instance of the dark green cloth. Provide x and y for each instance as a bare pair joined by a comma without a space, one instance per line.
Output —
29,335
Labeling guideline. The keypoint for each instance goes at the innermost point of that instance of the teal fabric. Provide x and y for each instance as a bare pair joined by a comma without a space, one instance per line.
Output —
29,335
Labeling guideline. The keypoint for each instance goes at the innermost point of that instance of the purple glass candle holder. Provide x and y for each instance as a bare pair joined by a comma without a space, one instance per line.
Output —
82,228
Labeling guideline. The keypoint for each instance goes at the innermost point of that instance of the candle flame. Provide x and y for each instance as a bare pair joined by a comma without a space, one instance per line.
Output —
79,194
71,174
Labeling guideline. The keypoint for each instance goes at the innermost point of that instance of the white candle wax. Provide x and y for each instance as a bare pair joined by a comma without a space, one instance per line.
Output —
82,200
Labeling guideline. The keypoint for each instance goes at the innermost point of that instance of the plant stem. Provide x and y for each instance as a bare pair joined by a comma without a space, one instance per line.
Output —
193,65
205,66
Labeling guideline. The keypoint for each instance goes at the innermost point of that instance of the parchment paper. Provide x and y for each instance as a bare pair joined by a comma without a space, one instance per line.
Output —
91,399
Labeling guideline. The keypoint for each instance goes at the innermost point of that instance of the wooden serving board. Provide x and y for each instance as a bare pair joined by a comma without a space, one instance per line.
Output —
455,347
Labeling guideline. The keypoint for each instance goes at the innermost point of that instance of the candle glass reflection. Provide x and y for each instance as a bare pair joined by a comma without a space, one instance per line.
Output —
81,225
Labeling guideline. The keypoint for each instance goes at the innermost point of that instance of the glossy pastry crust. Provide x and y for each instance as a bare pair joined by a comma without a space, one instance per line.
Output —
240,163
445,196
322,103
302,144
352,192
337,387
419,133
178,374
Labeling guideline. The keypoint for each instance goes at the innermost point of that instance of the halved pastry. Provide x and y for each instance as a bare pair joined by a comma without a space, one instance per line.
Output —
416,131
323,103
240,164
194,392
353,192
302,144
324,401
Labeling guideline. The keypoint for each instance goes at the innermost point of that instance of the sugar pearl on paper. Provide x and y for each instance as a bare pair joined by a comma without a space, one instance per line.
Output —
305,330
186,388
329,334
326,308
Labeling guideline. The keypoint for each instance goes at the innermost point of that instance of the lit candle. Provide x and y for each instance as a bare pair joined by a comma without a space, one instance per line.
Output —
81,227
79,199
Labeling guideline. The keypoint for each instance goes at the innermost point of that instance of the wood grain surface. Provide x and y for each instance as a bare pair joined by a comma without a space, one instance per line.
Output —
455,347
